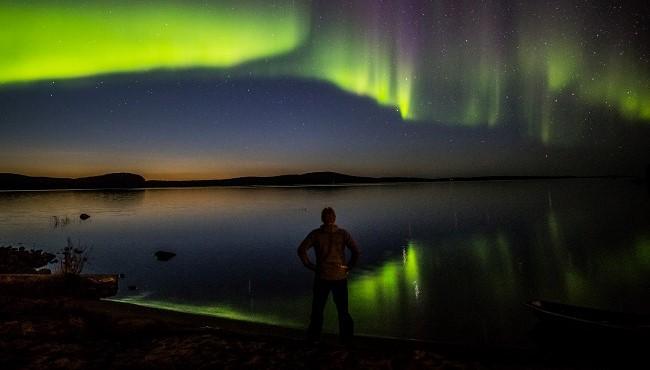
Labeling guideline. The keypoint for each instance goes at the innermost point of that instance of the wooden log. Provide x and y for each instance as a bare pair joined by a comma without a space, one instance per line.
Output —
91,286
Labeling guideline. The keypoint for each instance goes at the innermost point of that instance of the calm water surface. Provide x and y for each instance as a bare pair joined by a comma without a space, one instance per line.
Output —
448,262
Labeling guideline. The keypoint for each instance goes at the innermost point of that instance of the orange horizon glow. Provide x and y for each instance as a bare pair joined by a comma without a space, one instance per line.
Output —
154,167
55,164
169,176
178,176
198,175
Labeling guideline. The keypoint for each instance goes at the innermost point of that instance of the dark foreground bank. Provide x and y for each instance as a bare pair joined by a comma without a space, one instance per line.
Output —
63,333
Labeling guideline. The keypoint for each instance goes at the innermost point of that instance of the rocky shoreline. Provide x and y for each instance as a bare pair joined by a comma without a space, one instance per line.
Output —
66,333
62,334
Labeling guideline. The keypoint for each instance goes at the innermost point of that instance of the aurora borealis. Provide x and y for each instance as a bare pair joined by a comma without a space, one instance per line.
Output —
67,40
541,75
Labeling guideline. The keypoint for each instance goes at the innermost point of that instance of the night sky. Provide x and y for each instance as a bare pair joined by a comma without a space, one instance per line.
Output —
215,89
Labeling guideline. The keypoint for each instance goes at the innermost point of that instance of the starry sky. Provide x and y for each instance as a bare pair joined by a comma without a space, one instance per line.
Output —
215,89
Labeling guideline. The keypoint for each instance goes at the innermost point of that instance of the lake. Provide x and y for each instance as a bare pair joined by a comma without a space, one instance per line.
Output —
450,262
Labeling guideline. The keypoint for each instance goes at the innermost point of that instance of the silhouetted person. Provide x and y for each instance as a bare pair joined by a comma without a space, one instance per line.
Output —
329,242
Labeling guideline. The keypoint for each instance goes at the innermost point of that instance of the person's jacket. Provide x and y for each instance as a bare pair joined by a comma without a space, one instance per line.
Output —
329,242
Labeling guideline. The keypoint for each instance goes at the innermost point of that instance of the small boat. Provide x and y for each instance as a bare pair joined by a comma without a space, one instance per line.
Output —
575,317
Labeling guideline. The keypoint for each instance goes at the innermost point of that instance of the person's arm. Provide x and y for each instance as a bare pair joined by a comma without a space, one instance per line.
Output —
354,250
302,252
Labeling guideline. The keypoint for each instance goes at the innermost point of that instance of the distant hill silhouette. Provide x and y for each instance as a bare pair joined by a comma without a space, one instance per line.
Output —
9,181
312,178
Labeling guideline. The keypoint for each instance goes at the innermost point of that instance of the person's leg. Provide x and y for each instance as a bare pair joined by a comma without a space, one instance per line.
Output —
321,291
346,325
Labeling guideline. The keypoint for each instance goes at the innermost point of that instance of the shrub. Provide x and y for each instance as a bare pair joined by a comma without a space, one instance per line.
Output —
72,258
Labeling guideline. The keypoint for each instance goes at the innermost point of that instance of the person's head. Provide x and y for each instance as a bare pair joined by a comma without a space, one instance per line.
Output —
328,216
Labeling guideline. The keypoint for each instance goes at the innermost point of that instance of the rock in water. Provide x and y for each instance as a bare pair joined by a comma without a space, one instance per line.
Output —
84,216
164,256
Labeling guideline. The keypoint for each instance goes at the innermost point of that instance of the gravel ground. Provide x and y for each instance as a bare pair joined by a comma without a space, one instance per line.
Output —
66,334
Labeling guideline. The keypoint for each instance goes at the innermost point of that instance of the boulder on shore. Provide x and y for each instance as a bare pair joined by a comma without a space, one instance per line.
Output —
19,260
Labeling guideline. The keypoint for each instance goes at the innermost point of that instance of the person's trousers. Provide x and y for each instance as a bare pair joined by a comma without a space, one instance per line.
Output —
339,289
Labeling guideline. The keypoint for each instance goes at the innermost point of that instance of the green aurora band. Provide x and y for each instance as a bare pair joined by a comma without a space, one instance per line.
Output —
448,62
59,40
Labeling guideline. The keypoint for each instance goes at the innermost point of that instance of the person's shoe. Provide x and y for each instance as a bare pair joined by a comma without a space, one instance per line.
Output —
314,341
347,342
